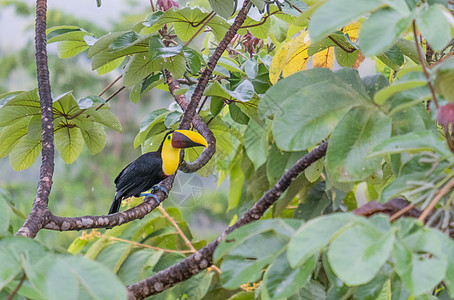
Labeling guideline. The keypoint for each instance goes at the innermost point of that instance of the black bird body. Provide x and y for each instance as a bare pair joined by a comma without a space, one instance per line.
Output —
139,176
151,168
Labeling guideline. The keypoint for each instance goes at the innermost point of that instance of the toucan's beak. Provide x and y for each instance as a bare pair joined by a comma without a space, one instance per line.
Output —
187,139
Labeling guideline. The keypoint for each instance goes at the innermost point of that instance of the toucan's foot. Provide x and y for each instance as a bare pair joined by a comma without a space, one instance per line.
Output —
158,187
152,196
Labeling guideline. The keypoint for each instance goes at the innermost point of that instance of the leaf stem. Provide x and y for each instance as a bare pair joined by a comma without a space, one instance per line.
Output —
424,66
13,293
437,198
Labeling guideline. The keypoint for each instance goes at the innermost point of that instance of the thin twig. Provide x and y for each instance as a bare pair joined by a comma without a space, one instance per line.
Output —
202,104
437,198
110,85
110,97
211,16
13,293
441,60
401,212
183,236
424,66
148,246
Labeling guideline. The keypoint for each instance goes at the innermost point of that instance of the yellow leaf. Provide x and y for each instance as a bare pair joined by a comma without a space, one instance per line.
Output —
297,57
291,58
324,59
352,30
278,62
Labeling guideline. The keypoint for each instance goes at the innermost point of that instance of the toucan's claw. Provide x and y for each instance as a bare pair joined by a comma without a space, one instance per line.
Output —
158,187
152,196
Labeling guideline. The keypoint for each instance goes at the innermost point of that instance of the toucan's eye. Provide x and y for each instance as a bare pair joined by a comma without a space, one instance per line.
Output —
168,137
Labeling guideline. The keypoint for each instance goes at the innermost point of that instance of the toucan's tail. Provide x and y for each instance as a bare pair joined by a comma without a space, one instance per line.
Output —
115,207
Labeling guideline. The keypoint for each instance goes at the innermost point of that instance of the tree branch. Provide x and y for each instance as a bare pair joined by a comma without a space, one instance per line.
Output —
203,258
39,213
205,77
199,125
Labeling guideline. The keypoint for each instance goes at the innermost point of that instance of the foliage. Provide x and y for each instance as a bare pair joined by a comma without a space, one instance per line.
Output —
273,96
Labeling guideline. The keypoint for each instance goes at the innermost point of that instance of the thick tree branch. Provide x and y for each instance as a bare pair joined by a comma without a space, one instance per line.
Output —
39,212
203,258
198,124
205,77
89,222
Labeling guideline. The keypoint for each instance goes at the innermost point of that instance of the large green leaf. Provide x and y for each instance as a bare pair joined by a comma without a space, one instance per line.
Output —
69,142
188,21
139,67
150,120
25,153
10,135
310,115
419,261
278,94
434,26
361,129
386,93
315,234
5,212
94,138
417,141
280,280
359,252
255,143
22,105
375,38
69,277
335,14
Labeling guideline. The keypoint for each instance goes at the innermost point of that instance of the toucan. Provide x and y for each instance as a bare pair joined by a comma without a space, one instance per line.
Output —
151,168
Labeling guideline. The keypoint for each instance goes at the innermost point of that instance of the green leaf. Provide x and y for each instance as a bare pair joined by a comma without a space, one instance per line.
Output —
158,50
419,261
71,48
197,286
282,281
417,141
359,131
345,59
176,65
279,161
123,41
11,266
94,138
386,93
315,234
256,144
320,107
237,114
25,153
314,171
107,118
69,142
375,83
5,212
62,276
103,43
10,135
248,249
434,26
224,8
139,67
359,252
392,57
22,105
408,48
150,120
216,105
375,38
188,21
335,14
90,101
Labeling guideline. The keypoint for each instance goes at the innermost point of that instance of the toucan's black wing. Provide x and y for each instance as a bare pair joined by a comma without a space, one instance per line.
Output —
139,176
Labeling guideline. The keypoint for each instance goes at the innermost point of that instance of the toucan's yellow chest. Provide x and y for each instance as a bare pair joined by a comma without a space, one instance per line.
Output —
170,158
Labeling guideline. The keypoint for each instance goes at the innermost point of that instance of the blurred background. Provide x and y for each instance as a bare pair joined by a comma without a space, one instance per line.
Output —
86,187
